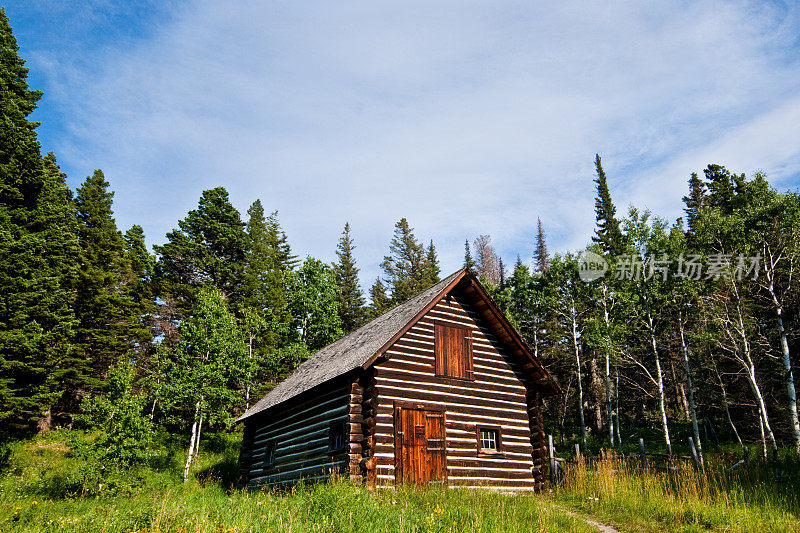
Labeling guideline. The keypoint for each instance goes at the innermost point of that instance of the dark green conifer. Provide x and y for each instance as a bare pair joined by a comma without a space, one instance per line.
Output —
380,300
607,234
405,266
208,249
37,255
351,299
694,201
540,254
432,265
268,262
469,263
109,319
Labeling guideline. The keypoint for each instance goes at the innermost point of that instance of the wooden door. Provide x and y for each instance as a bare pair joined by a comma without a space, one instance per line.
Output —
420,455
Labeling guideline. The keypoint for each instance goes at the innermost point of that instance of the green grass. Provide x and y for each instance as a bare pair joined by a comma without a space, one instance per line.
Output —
682,499
47,486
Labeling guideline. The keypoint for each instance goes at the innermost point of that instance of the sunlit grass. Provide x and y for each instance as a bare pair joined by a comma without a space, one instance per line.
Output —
45,487
681,498
41,491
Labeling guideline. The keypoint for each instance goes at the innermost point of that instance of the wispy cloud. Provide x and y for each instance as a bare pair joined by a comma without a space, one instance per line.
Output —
463,117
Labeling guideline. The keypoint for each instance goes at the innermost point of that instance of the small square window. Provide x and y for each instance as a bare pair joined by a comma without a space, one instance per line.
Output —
336,434
488,440
269,453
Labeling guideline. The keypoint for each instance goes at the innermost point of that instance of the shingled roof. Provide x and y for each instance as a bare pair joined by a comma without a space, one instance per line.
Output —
352,351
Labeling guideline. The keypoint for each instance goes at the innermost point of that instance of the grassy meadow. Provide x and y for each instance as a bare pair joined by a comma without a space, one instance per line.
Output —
47,486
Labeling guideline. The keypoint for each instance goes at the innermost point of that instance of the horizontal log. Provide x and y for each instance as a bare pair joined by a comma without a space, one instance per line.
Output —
483,379
455,404
391,378
491,482
299,411
496,473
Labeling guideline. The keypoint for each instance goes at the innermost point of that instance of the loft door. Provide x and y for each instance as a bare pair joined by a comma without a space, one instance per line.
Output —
419,446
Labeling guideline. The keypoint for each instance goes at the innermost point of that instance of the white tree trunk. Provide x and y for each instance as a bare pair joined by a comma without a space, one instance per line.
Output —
770,271
580,377
749,365
660,384
607,320
687,368
197,442
790,390
616,409
190,452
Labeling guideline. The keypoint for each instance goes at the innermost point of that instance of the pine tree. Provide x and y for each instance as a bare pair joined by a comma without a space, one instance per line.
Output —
37,254
351,299
143,265
694,202
380,300
268,262
540,254
108,320
433,270
405,267
502,267
208,249
607,234
469,263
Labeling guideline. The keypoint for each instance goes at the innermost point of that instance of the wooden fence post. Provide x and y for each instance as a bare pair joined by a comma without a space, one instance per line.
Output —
642,456
577,452
695,458
553,465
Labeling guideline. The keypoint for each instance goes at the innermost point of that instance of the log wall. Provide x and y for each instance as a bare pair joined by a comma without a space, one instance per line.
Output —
498,396
300,431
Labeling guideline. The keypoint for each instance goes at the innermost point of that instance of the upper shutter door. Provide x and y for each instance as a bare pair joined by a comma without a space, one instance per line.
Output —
459,357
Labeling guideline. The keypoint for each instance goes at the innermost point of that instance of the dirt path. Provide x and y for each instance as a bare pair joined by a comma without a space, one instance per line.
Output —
594,523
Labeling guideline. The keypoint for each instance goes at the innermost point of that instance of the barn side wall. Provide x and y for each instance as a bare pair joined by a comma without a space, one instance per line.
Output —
498,396
300,429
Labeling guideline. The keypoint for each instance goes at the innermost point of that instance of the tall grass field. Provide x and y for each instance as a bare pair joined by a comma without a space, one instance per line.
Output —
47,486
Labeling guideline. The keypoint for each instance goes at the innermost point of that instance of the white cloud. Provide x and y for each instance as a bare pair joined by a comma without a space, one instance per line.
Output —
464,118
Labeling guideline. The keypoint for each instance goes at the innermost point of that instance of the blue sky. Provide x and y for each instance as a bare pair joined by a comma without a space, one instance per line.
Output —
464,117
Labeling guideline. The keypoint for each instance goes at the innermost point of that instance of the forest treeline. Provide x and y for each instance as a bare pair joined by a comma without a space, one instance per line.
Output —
693,324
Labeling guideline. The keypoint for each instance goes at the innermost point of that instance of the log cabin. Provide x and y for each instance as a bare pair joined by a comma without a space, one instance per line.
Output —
439,390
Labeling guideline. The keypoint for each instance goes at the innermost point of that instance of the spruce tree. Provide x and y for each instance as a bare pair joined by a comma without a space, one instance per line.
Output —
540,254
502,267
405,267
469,263
380,300
207,249
433,270
37,254
109,323
607,234
143,265
694,202
268,262
351,299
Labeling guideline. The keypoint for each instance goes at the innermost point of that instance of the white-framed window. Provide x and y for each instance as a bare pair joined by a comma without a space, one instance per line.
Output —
488,439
